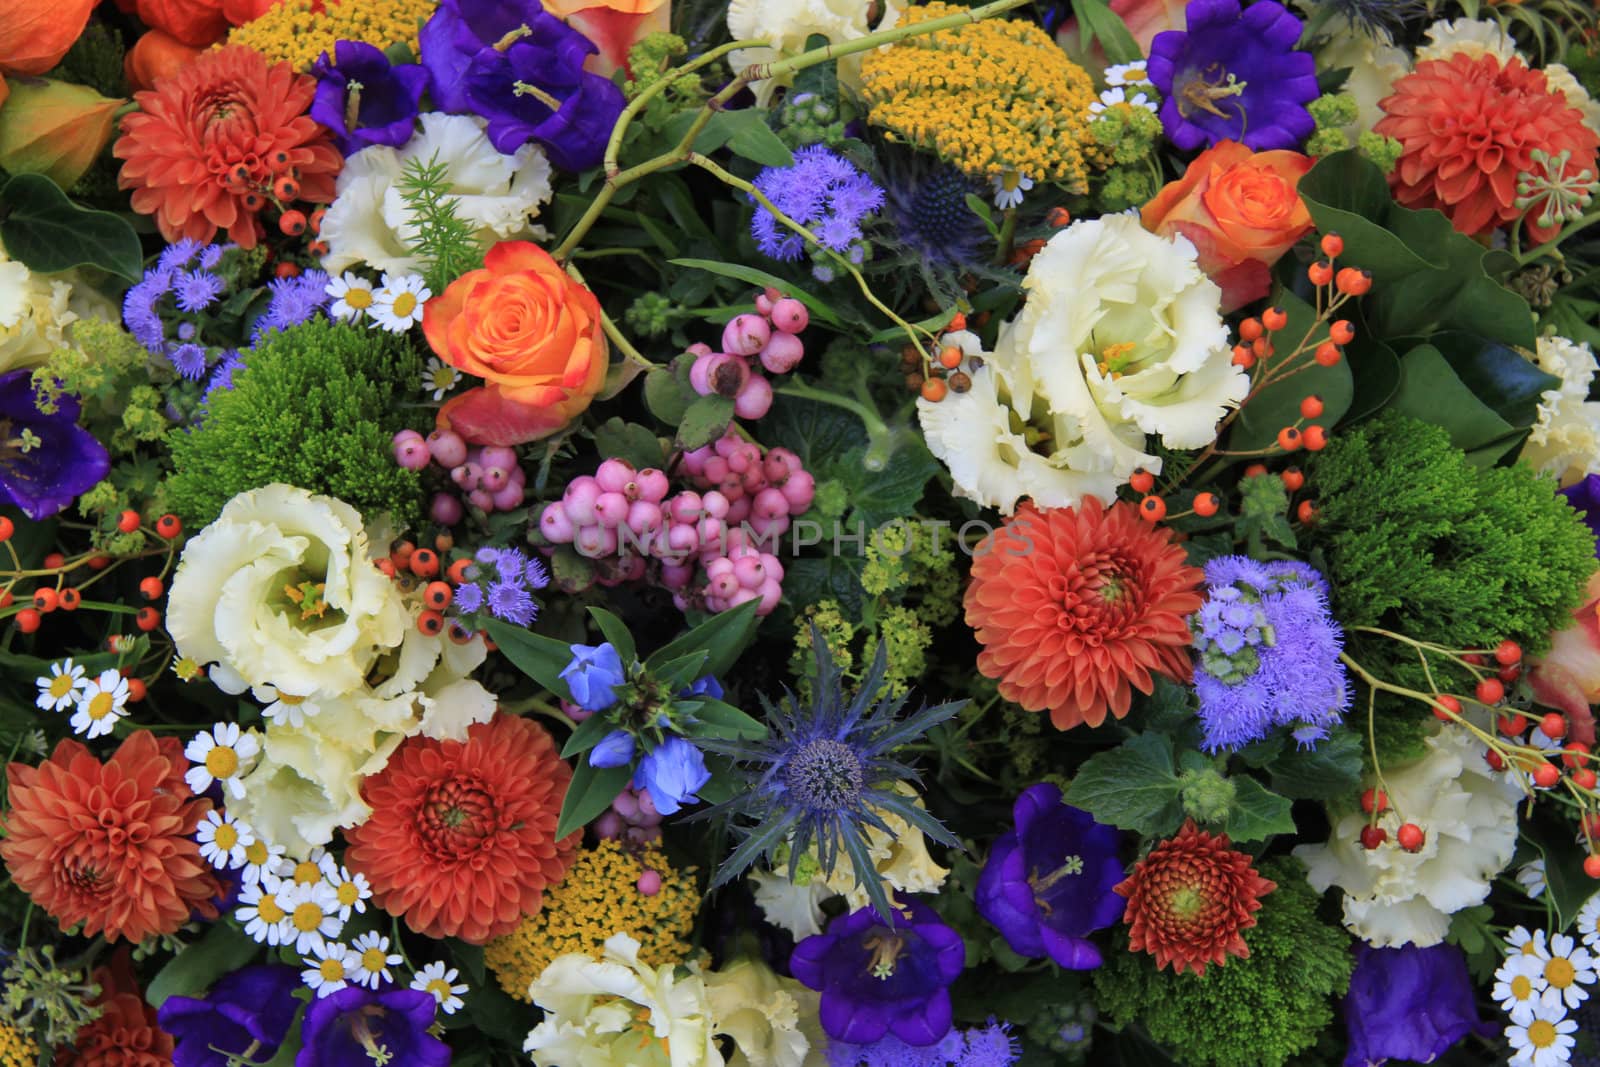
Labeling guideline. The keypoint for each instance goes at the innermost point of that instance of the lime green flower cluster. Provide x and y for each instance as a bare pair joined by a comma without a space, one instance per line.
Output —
650,61
1332,112
912,561
40,994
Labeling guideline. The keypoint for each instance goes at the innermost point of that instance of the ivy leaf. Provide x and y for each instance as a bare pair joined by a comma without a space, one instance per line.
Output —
1257,814
705,420
224,948
628,441
46,232
1331,770
1132,787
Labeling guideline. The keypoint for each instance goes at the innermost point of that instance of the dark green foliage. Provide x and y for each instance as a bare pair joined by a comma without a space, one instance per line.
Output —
95,60
315,406
1252,1012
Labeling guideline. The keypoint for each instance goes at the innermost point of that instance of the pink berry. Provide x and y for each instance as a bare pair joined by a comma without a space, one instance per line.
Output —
685,507
723,586
642,836
594,542
781,352
755,399
653,485
445,509
770,527
556,525
402,436
611,509
682,540
790,315
510,497
716,469
727,444
648,815
774,567
573,712
770,503
579,498
481,499
676,576
719,373
632,569
695,461
764,304
719,566
739,510
750,572
699,348
499,456
644,517
710,531
494,479
743,596
715,504
739,460
649,883
609,825
745,334
779,464
412,454
625,804
466,475
449,449
800,490
771,593
614,475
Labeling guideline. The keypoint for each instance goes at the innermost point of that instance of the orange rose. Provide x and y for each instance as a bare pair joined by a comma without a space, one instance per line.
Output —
531,332
1240,210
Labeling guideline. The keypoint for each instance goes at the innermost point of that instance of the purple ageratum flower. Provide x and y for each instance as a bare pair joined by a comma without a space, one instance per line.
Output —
508,600
251,1008
878,979
593,676
177,255
822,191
364,99
196,290
1584,496
987,1046
1408,1004
46,461
360,1026
1048,882
1234,76
139,312
672,773
294,300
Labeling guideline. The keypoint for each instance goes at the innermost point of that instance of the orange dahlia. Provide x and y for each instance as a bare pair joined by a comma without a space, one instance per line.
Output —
218,141
126,1033
1075,607
461,841
1190,900
1468,126
110,845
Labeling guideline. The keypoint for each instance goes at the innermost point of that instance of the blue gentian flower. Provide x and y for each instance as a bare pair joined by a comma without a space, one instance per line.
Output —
594,675
364,99
251,1008
822,191
615,749
1584,496
1408,1004
672,773
46,461
358,1026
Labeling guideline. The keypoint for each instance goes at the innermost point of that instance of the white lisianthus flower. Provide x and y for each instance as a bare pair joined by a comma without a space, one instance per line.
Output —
1121,337
763,1013
368,221
787,24
34,314
1474,37
282,590
1567,84
1374,68
1566,439
1393,897
619,1012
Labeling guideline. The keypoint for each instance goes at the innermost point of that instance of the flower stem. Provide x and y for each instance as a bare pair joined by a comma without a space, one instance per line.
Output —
1551,245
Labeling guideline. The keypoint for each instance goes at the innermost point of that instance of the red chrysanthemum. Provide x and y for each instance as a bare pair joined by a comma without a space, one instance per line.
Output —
1190,900
1467,126
462,838
126,1034
110,845
211,144
1075,607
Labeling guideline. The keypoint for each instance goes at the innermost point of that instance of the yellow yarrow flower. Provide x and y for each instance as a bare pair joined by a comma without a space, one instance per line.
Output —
990,97
600,897
17,1049
294,30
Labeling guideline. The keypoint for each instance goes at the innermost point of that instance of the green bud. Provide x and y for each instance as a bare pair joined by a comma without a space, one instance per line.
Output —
1207,795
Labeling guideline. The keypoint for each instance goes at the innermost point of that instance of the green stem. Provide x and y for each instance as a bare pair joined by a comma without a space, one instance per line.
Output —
611,329
638,103
797,387
1008,233
1550,245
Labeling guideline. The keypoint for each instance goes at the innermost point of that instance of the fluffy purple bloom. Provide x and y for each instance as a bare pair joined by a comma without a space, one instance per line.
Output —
350,1028
508,600
364,99
221,379
189,360
294,300
878,979
672,773
139,312
196,290
176,255
1407,1004
1048,882
1269,653
1234,76
1584,496
593,676
510,61
468,598
536,574
822,191
987,1046
46,461
254,1006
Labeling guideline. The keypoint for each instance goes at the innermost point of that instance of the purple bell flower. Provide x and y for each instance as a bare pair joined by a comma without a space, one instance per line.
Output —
672,773
1048,882
1234,76
878,979
251,1008
593,676
1408,1004
614,750
1584,496
364,99
357,1026
46,461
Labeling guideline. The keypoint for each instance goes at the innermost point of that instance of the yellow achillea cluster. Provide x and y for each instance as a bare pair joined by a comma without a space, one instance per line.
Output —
600,897
301,30
990,97
17,1049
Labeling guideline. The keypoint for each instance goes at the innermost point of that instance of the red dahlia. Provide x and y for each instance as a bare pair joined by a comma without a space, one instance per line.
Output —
1076,607
461,841
126,1033
1190,900
1467,126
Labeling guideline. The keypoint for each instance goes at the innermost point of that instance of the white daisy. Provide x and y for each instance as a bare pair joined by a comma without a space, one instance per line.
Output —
313,914
1110,98
224,840
264,910
1529,943
1009,187
1135,73
1544,1040
284,709
221,754
326,970
371,959
398,305
1589,921
100,704
307,871
61,688
261,860
1517,986
351,889
436,980
1530,876
439,377
1567,971
352,297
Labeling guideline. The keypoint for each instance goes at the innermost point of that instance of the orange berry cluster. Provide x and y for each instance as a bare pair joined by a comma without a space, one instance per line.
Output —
60,596
942,375
412,566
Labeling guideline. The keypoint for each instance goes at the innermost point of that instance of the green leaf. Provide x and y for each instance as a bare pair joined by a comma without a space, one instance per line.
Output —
1332,769
724,636
717,719
704,421
1501,379
591,792
1278,405
628,441
1132,787
762,279
1430,391
188,974
46,232
833,444
980,207
1097,22
615,631
683,671
1257,814
539,657
666,397
1376,370
831,576
588,734
756,142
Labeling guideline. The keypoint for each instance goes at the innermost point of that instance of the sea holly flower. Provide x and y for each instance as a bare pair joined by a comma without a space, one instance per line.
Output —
364,99
46,459
247,1011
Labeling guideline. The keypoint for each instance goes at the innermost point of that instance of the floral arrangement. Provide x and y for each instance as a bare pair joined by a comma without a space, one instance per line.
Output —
799,533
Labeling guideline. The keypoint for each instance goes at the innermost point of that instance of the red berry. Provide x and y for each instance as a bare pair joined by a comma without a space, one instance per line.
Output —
1554,726
286,188
1490,691
1507,652
1342,332
1315,438
1591,824
458,569
424,563
7,528
99,563
1320,272
70,599
46,599
1243,357
1255,470
292,223
438,595
1574,753
169,526
1591,866
28,620
1494,760
1374,800
1373,836
1332,245
1293,479
1473,658
1354,282
1206,505
1311,406
147,619
1141,481
1250,329
1509,674
1584,778
152,588
54,561
1288,438
1411,837
1274,318
1327,354
6,599
1546,775
1261,348
1306,513
136,690
459,635
1450,705
1152,509
287,270
1512,725
128,521
430,623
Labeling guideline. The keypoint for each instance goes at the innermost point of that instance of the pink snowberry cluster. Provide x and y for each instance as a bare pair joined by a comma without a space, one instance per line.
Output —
490,477
770,336
632,817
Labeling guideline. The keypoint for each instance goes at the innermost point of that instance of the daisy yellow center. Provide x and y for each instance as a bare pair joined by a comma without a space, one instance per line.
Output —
349,893
290,699
1541,1034
405,304
307,873
331,970
1529,948
60,686
1522,987
226,837
373,960
269,911
440,988
307,917
1560,973
256,853
360,299
101,705
222,762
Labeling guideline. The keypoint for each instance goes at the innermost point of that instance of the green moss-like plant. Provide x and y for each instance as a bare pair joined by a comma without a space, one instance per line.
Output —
314,406
1255,1011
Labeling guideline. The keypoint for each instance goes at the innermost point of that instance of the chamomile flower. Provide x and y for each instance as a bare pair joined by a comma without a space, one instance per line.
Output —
313,914
224,840
264,910
1589,921
351,889
398,305
1568,969
1528,942
187,668
1114,97
1531,877
1518,985
1545,1040
307,871
261,860
1135,73
284,709
1009,187
435,979
61,687
371,960
100,704
221,754
327,968
439,377
352,297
